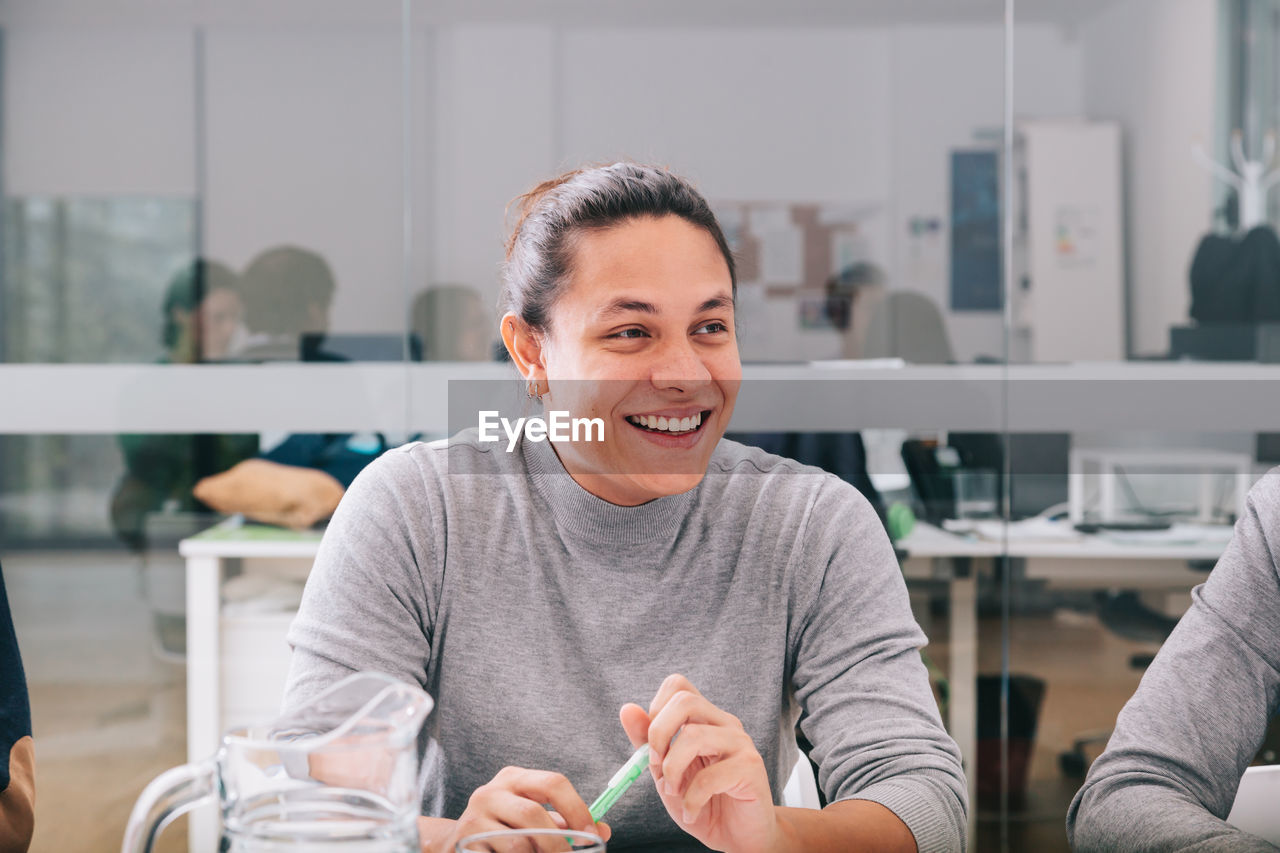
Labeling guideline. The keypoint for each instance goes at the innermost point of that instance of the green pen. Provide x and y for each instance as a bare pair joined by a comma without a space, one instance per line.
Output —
620,782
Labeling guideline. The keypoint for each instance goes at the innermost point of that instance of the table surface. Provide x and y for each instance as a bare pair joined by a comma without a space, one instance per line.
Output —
235,537
927,540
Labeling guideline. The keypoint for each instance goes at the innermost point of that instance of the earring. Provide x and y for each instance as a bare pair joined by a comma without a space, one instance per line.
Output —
533,391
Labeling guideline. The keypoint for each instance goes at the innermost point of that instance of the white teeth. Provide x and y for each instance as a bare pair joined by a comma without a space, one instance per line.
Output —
657,422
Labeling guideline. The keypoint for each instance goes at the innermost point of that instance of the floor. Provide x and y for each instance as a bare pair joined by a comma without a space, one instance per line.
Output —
108,713
109,708
1088,679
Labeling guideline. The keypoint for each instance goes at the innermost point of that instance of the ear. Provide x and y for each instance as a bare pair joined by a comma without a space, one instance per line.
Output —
524,346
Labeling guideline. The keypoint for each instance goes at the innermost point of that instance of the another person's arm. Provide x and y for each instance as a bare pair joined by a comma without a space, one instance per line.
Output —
286,495
1169,775
296,484
17,762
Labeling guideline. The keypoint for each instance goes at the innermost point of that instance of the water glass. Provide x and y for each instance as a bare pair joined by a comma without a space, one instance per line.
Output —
976,491
531,841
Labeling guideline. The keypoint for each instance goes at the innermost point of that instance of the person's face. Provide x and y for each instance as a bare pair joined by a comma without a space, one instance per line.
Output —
643,332
219,318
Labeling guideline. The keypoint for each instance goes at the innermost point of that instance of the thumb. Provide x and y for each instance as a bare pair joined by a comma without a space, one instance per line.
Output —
635,721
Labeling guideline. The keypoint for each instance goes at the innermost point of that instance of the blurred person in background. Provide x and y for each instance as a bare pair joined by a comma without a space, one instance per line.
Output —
201,324
287,293
298,480
452,323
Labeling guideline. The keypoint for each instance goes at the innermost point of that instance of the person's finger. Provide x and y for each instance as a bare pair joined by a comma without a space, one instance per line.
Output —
541,786
670,686
516,811
737,777
698,740
635,722
683,708
474,824
601,829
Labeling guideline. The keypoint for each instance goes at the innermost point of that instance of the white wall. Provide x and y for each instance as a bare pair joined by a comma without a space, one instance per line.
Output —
767,115
1151,65
102,111
304,147
304,130
494,119
948,84
867,116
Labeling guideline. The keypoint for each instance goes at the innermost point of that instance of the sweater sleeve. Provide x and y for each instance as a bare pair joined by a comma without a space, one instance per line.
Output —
1170,771
863,691
370,599
17,771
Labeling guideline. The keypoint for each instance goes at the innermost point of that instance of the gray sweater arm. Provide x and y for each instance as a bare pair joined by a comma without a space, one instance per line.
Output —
1169,775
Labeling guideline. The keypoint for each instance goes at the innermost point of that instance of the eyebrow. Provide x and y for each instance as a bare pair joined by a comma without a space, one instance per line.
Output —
715,303
623,306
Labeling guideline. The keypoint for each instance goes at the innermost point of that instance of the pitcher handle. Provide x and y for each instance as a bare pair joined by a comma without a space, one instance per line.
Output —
169,795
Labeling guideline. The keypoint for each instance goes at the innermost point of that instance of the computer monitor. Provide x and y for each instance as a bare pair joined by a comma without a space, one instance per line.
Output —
318,346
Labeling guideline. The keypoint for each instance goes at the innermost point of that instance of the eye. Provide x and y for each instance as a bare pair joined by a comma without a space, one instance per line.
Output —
631,333
711,328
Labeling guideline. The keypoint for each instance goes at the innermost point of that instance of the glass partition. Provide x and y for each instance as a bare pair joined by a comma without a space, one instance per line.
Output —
1133,301
244,234
204,318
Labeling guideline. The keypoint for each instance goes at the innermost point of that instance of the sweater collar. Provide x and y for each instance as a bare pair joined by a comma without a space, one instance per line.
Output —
582,515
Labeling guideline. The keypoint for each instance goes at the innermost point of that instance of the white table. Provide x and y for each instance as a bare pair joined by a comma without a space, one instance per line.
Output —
1088,562
1085,562
209,555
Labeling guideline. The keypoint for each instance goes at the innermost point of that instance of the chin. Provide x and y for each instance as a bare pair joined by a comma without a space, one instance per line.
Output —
666,485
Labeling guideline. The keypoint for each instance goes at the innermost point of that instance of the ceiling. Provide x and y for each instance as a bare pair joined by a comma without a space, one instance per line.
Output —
659,13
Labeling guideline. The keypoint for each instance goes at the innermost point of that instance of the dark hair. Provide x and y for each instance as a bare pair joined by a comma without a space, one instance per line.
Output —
540,249
280,284
187,290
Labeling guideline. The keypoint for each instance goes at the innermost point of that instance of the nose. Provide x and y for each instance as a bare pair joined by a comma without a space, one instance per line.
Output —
679,368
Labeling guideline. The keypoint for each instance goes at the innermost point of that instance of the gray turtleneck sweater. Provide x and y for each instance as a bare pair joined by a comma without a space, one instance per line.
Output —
532,611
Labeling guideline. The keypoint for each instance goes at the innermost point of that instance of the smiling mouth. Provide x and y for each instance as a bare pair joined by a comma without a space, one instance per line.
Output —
670,426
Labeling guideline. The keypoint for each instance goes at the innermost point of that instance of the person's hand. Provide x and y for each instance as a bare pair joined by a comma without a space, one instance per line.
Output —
711,778
516,798
287,495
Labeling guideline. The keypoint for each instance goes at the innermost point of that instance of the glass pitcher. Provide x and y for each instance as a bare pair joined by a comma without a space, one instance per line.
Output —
339,775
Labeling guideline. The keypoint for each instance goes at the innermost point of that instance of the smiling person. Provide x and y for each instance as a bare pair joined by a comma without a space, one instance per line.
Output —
567,602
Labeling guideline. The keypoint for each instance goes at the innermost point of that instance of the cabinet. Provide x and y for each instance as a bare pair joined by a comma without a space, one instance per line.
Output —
1068,303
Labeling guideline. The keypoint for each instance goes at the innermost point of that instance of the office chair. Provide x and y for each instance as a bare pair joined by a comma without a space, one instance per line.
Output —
1126,616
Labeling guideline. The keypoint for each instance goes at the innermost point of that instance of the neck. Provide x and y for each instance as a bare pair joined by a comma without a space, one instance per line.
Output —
606,487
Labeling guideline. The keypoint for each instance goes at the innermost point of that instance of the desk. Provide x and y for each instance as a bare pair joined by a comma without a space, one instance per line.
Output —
1086,562
208,557
931,553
